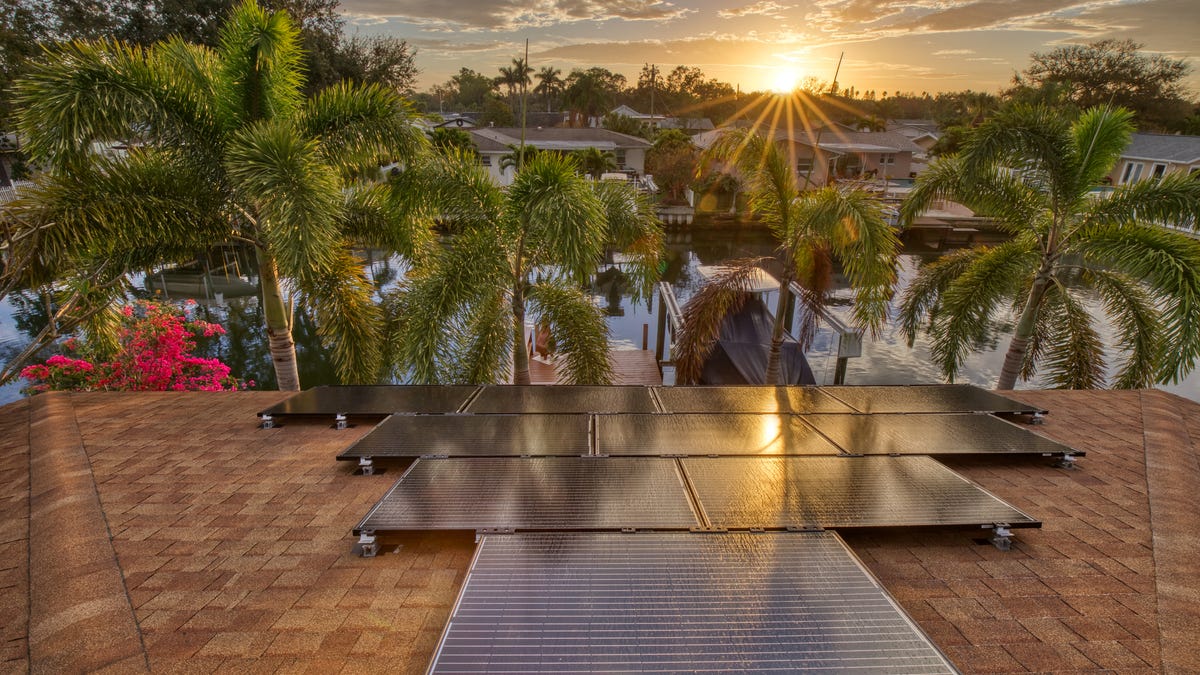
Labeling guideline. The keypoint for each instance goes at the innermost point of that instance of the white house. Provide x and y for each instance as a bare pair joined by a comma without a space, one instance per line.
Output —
1156,155
493,143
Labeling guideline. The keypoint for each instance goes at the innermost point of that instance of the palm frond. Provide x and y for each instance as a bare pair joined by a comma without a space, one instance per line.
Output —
261,76
368,221
1043,326
635,230
562,219
448,188
968,302
578,329
705,312
1075,355
294,192
923,297
485,341
1174,200
1136,318
362,127
1101,135
995,192
1033,140
1169,263
349,322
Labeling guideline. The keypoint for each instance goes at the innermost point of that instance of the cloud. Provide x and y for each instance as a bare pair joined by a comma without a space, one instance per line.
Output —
954,52
766,8
508,15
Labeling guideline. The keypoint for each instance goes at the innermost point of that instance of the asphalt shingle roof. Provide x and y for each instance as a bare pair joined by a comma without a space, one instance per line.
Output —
1164,147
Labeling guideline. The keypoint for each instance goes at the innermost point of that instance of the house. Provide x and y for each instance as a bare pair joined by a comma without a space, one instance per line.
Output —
690,125
924,133
834,152
1156,155
493,143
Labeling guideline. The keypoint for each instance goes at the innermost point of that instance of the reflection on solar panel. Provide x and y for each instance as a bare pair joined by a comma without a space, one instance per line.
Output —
373,400
932,398
474,436
545,493
677,602
921,434
562,399
746,492
748,399
708,434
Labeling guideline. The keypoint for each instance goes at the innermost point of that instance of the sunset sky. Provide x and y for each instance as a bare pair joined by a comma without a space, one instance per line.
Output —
910,45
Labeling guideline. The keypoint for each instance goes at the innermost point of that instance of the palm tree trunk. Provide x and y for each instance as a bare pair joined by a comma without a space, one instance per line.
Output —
772,376
1015,356
279,329
520,355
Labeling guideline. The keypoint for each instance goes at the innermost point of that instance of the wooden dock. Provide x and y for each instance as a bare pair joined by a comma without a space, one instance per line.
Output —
630,366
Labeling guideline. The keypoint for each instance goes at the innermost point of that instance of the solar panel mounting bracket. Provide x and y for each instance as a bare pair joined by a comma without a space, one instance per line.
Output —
366,466
1037,418
339,421
1067,461
368,547
805,528
268,422
708,530
1001,536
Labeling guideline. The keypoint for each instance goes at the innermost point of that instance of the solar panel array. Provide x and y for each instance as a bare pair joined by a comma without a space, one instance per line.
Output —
930,434
563,399
927,398
579,493
475,436
677,602
708,434
370,400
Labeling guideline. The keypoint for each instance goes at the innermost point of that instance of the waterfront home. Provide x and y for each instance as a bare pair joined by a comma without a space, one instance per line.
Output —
923,133
493,143
835,153
1156,155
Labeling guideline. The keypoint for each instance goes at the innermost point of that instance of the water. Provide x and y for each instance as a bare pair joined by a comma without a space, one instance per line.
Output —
885,360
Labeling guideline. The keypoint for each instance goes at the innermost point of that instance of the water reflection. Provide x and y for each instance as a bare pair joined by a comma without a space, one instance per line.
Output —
885,360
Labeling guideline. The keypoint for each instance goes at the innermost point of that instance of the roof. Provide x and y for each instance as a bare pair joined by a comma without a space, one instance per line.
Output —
1164,147
557,138
166,531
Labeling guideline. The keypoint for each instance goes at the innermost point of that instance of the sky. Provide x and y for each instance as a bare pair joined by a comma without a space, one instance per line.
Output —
889,45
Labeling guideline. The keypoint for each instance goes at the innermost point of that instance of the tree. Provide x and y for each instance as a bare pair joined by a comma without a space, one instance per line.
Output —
596,162
516,254
1111,72
812,228
381,59
222,147
590,93
515,79
550,84
1033,171
622,124
447,140
468,89
496,113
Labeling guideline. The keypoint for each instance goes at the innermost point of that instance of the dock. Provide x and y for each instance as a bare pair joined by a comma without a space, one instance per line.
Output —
630,366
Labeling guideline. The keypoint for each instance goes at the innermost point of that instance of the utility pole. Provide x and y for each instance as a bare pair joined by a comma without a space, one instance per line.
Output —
521,152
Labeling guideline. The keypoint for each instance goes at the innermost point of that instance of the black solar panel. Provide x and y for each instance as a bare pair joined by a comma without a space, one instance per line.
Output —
562,399
708,434
677,602
747,492
545,493
922,434
374,400
748,399
474,436
931,398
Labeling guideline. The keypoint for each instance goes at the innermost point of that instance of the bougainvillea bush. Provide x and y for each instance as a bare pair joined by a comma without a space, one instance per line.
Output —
155,353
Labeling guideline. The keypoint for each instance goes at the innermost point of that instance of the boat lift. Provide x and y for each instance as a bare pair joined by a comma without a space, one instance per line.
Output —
670,321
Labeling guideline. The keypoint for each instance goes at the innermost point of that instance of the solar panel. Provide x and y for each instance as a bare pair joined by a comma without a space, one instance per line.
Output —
544,493
677,602
748,492
563,399
374,400
932,398
708,434
474,436
922,434
748,399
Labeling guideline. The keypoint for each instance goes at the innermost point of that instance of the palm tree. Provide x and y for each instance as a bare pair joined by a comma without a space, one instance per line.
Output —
812,228
1033,171
550,84
513,255
223,148
595,162
588,94
518,156
515,79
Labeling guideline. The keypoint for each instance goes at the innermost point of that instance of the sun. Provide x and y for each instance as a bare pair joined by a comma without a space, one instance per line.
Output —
785,78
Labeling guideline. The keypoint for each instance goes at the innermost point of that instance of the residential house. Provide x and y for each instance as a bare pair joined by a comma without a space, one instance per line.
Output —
691,125
835,153
493,143
1156,155
924,133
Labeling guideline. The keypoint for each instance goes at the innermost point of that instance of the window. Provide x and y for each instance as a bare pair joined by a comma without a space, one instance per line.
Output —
1133,172
620,158
804,165
485,160
1159,170
887,159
